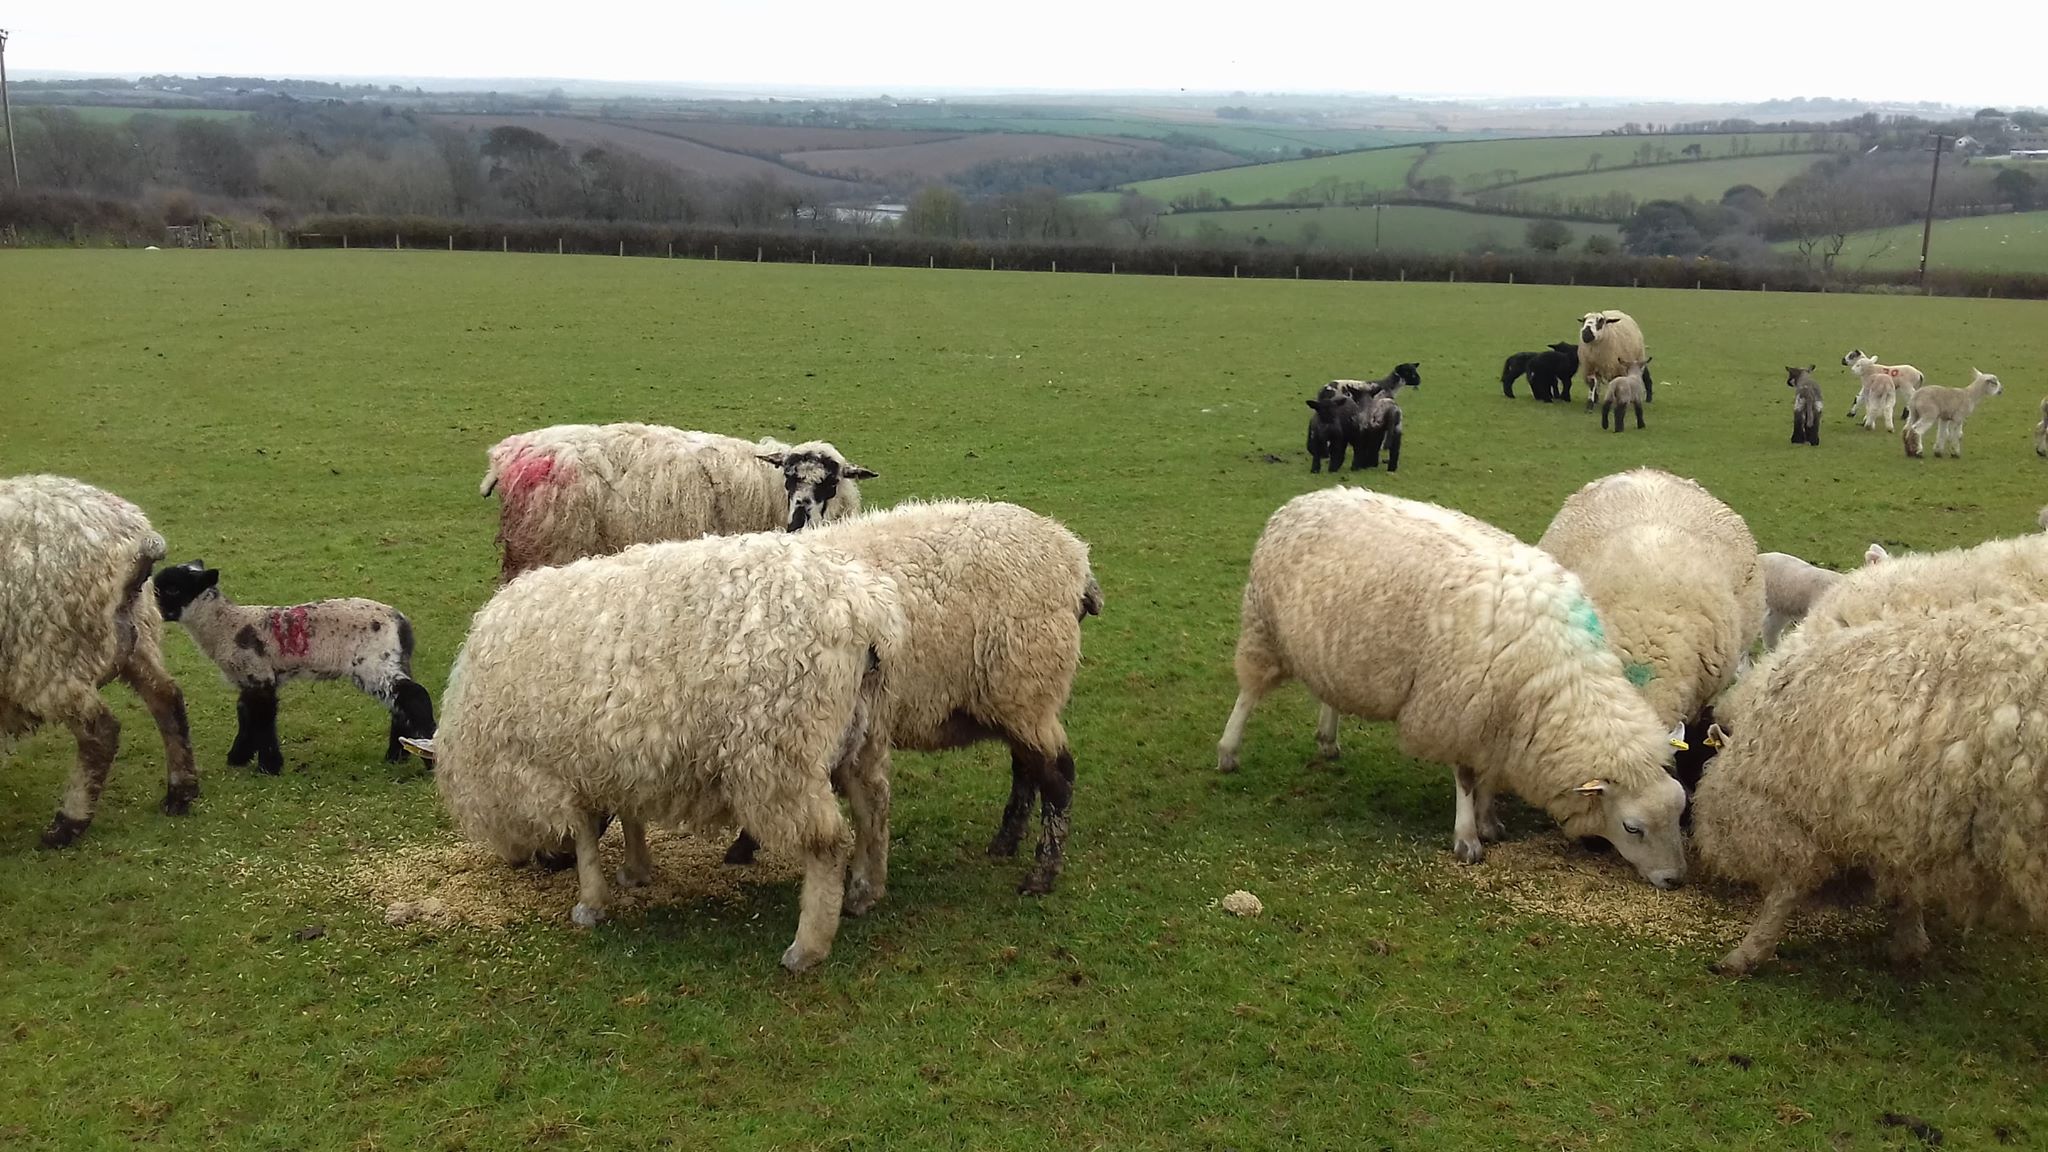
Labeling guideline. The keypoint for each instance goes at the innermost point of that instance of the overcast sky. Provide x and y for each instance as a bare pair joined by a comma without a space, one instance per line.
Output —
1459,47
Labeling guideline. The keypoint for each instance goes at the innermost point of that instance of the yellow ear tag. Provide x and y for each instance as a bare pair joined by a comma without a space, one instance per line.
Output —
1714,736
1678,738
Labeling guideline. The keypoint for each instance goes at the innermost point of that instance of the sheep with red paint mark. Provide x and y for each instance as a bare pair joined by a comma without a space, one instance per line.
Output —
259,648
74,561
575,490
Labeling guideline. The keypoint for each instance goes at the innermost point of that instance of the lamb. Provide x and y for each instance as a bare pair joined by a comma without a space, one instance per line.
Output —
1946,811
1337,424
1498,666
1550,373
1609,342
1791,586
992,639
1626,391
73,563
723,681
1806,405
1935,405
2013,570
575,490
2041,430
1675,576
259,649
1381,424
1513,369
1390,385
1880,385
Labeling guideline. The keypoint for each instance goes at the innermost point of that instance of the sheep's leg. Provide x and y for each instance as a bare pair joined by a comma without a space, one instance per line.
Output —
99,736
1393,451
1023,793
1465,832
258,711
412,715
1764,934
743,848
639,866
1955,440
867,794
1056,786
590,885
1326,733
824,892
1603,417
146,674
243,750
1637,405
1258,672
1490,827
1233,732
1909,943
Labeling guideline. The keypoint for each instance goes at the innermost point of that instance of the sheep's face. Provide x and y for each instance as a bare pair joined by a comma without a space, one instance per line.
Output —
1987,382
1794,375
1592,324
1642,825
181,584
1850,358
812,476
1409,374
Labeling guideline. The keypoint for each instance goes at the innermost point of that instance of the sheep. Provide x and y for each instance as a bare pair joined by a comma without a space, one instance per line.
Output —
1791,586
259,649
575,490
716,682
1880,384
1382,425
73,564
1626,391
1550,373
1513,369
1390,385
1910,750
1806,405
1608,343
992,641
1497,666
1675,576
1947,407
2015,569
1337,424
2041,430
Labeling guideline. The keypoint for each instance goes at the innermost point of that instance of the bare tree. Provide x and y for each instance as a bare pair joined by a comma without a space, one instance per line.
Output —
1139,213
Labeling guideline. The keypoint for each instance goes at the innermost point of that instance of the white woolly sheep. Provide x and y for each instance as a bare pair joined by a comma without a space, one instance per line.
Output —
1484,651
1947,407
1998,570
718,682
1913,750
1609,342
2041,430
260,649
993,596
1674,574
575,490
74,561
1880,386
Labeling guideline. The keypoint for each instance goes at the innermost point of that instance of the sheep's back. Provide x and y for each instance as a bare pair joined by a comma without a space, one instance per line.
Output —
2013,570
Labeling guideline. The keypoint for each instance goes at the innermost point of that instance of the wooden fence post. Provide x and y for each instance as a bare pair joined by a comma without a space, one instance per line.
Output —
1511,278
558,245
397,242
991,263
1112,267
931,262
714,251
871,258
671,249
1233,271
344,241
757,255
622,247
504,243
1404,275
1055,265
451,241
1297,271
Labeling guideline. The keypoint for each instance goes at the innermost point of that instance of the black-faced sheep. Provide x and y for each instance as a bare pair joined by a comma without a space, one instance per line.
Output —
1806,405
74,570
576,490
1336,424
1498,667
1609,342
260,649
717,682
1624,392
1948,408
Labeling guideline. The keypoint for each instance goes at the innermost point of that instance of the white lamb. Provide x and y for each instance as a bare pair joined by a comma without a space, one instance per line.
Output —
1484,651
74,615
719,682
1913,749
1792,587
1948,408
2041,430
1882,386
1675,577
576,490
1609,342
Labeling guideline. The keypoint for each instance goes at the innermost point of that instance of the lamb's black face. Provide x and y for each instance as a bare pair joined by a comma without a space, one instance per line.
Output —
1854,354
1409,374
181,584
812,481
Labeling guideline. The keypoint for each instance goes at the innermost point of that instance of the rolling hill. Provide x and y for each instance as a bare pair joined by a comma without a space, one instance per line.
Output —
2013,242
1398,228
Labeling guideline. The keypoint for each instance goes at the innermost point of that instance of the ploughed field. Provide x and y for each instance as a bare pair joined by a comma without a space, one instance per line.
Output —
313,424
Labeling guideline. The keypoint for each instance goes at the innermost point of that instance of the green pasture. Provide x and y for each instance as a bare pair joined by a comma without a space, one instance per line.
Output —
1247,138
1400,228
1379,169
113,114
1480,164
2014,242
1705,180
314,424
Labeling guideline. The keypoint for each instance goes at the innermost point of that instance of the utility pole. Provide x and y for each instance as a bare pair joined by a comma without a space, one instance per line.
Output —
1927,233
7,113
1376,226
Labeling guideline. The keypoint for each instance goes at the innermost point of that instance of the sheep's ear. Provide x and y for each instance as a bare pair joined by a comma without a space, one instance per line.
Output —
774,458
1311,404
1677,737
856,472
1591,788
209,578
1811,367
1717,736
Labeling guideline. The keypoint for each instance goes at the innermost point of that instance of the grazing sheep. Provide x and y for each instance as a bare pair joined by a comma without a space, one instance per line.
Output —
1514,369
1998,570
1609,342
1913,750
2041,430
1550,373
575,490
1806,405
716,682
259,649
1881,385
1935,405
1485,652
74,561
992,639
1675,577
1626,391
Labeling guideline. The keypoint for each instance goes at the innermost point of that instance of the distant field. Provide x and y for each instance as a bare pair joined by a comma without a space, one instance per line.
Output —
779,138
685,155
937,159
1247,138
104,114
2010,243
1479,164
1402,228
1706,180
1382,169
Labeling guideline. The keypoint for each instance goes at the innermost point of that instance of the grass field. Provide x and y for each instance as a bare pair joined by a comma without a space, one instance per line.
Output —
103,114
1243,138
2017,242
1479,163
1401,228
1705,180
649,138
1382,169
314,425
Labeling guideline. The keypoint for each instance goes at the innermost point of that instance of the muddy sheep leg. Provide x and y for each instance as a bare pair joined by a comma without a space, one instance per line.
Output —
99,737
1056,786
160,694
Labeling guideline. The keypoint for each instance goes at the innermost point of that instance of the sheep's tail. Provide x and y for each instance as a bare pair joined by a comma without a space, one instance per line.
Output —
1091,597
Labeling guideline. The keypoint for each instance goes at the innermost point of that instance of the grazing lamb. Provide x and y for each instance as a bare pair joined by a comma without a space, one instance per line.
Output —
576,490
1948,408
992,639
2013,570
716,682
74,561
1609,342
1675,577
1550,373
1806,405
1882,385
1497,666
1626,391
2041,430
1913,750
258,650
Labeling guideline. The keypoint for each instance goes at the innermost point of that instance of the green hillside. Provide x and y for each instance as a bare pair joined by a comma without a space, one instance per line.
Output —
1401,228
2010,243
1381,169
1481,164
1705,180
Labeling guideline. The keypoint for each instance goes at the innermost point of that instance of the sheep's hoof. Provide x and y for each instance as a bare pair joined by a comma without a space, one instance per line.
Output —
860,898
1733,964
1469,851
1226,761
1004,844
585,916
240,759
1492,830
627,878
795,959
1038,882
1330,751
742,850
63,830
178,798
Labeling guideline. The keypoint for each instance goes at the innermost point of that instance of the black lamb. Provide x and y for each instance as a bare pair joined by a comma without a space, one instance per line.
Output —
1551,372
1514,369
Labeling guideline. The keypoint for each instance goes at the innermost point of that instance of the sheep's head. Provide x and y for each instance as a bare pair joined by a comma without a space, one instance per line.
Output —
1564,349
1850,358
1794,375
1592,324
1408,374
819,482
1985,383
1642,823
179,585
